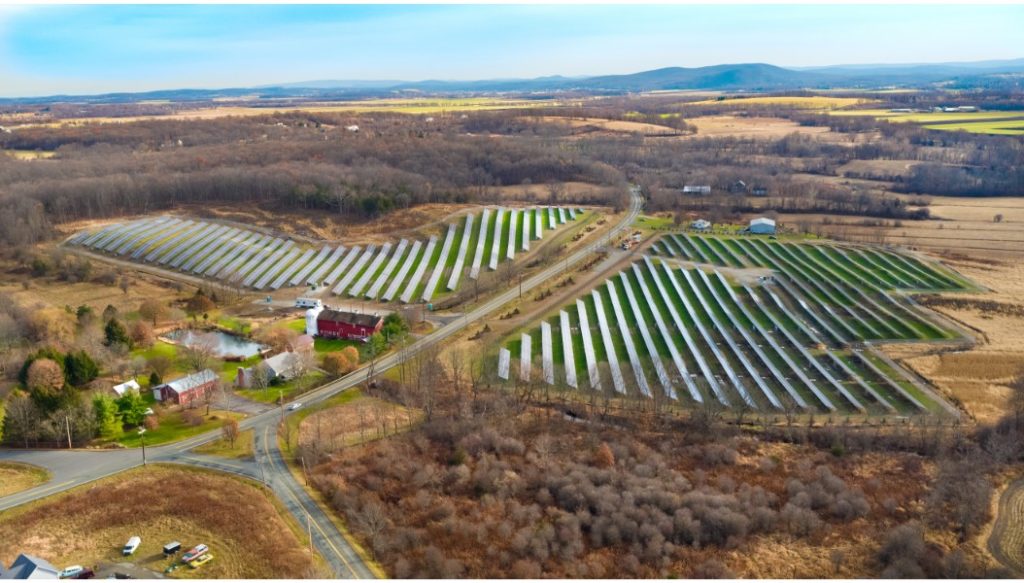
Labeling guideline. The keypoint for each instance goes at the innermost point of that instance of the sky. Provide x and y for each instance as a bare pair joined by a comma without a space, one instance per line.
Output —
83,49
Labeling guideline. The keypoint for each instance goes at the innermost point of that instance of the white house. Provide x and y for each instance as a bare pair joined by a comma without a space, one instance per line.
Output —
283,366
762,226
697,189
122,388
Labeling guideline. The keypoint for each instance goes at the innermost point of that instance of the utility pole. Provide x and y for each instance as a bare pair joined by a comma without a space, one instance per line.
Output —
142,437
309,532
67,425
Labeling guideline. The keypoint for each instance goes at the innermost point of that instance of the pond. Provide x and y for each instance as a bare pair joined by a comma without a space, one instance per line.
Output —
224,345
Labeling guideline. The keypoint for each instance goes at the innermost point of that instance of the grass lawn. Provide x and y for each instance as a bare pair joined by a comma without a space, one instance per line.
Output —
229,369
15,477
284,390
654,223
221,448
173,428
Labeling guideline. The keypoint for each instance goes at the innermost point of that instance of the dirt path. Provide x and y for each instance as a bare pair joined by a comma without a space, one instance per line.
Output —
1006,542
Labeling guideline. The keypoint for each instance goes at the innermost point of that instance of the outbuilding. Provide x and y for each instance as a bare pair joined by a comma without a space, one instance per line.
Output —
761,226
123,388
29,567
187,389
701,225
347,325
699,189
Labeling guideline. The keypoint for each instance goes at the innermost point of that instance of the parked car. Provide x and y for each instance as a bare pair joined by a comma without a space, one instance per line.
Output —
294,406
86,574
172,548
131,546
201,561
70,572
194,553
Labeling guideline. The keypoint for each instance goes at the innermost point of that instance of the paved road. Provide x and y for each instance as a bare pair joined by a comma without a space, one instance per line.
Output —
76,467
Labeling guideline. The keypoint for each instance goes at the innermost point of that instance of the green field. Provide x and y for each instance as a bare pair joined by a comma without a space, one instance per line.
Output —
1009,123
798,342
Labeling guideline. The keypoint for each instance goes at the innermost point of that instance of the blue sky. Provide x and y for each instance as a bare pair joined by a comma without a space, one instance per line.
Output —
95,49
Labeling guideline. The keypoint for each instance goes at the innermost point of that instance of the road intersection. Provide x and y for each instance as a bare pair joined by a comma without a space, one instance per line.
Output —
71,468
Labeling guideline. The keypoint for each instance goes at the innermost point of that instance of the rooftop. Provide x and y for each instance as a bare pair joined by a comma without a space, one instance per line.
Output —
351,318
187,383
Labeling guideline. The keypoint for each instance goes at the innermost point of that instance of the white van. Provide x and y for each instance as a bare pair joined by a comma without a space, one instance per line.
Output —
309,303
131,546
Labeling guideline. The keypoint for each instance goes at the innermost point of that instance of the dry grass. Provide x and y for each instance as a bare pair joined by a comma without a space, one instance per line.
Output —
239,522
721,126
408,106
877,168
221,448
15,477
58,294
616,126
978,377
800,102
359,420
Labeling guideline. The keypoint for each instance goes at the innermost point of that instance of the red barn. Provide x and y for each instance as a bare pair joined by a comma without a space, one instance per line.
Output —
347,325
186,389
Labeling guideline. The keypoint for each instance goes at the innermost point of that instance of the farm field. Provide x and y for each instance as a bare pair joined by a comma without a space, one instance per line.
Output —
982,122
397,105
239,521
245,258
824,102
701,323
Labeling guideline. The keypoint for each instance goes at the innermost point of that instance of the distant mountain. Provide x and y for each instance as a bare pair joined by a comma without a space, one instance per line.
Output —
750,77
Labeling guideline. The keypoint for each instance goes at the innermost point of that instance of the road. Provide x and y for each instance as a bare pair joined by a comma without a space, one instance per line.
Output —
70,468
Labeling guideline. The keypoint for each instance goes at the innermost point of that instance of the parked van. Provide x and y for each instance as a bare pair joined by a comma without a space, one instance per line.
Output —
131,546
309,303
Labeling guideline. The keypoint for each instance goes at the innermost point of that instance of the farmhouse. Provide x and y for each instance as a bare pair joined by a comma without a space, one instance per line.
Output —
738,187
122,388
186,389
29,567
761,226
697,189
283,366
347,325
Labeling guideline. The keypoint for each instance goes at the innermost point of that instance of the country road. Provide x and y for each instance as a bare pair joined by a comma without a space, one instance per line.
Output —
71,468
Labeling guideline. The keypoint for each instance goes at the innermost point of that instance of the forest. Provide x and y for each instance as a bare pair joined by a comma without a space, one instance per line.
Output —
367,165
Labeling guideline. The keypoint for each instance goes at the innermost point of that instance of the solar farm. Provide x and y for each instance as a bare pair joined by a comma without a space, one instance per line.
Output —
406,270
740,321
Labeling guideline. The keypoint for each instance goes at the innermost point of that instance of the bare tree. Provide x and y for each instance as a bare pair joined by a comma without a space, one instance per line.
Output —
199,354
229,431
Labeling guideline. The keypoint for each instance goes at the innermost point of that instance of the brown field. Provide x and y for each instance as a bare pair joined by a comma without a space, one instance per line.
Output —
750,127
877,168
978,377
16,477
239,521
617,126
359,420
409,106
58,294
